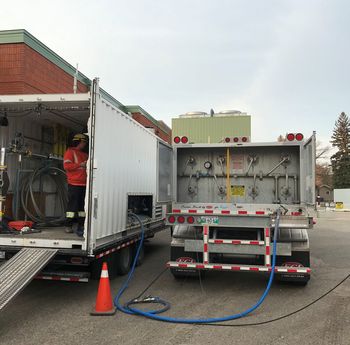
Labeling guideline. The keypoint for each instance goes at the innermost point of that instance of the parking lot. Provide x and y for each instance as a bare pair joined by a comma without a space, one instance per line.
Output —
58,313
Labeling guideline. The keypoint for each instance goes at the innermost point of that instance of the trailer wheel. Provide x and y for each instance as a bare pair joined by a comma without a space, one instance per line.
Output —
96,267
124,260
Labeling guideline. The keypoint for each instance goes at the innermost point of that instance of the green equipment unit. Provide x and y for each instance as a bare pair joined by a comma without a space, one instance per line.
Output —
200,127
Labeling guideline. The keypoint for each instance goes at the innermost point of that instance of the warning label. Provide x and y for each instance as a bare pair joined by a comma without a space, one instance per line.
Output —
237,190
238,163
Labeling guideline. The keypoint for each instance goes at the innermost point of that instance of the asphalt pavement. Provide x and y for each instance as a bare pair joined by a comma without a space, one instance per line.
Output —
58,313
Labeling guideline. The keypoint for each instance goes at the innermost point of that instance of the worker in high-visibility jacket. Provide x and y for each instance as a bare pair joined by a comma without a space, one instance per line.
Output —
74,163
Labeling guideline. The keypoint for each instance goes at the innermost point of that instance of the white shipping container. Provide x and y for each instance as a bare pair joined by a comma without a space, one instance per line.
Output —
342,196
125,164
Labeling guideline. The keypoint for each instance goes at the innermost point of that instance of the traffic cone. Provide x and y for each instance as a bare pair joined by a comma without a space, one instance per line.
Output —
104,303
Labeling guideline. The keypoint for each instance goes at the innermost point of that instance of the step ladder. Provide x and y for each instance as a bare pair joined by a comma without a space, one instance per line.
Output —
19,271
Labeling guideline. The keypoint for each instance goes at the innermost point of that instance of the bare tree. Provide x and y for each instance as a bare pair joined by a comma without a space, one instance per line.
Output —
322,151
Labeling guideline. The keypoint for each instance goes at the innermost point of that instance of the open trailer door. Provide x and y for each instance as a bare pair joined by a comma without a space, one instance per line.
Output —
165,172
308,152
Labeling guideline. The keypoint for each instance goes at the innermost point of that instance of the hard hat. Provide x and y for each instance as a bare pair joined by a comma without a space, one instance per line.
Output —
80,137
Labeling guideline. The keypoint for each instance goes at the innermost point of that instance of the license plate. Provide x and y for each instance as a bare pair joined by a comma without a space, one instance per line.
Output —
208,220
2,255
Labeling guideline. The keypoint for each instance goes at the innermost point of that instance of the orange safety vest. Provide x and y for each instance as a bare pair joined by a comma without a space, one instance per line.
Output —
76,174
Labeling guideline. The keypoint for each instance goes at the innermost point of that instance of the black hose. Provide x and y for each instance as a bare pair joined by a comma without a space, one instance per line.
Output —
58,177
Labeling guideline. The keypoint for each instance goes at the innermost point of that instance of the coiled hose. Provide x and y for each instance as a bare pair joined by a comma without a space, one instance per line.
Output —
58,177
128,309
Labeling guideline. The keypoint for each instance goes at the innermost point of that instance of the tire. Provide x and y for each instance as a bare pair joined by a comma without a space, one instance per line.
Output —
124,260
96,267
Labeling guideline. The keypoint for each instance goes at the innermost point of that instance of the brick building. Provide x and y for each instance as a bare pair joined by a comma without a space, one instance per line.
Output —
27,66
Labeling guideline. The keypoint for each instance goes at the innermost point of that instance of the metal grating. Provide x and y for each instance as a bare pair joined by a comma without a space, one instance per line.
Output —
17,273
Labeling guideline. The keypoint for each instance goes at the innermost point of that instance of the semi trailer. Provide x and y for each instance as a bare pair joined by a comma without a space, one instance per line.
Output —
128,172
225,200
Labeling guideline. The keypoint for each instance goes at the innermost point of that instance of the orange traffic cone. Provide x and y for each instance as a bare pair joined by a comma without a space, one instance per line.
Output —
104,303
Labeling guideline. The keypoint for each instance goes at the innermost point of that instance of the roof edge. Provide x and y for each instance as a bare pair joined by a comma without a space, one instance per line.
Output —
23,36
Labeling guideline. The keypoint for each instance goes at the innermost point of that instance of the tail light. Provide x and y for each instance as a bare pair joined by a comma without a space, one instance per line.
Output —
171,219
190,220
290,137
295,136
227,140
76,260
299,137
244,139
181,219
177,140
235,139
184,140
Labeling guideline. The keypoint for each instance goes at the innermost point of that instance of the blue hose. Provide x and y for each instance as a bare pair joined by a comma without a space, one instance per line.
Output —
153,313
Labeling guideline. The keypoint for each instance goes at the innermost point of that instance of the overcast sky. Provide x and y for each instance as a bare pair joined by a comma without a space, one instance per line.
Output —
284,62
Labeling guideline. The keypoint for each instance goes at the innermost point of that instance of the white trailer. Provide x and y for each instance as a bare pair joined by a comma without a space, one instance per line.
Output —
225,201
128,171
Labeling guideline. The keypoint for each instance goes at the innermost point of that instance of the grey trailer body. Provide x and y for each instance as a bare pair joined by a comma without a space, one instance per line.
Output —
225,201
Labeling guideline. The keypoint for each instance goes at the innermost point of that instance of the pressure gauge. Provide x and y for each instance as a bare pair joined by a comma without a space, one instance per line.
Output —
207,165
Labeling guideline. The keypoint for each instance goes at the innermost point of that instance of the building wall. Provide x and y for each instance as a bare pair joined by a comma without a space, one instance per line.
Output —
144,121
325,194
25,71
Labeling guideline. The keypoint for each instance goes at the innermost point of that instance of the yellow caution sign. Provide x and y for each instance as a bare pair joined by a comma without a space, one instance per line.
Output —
237,190
339,205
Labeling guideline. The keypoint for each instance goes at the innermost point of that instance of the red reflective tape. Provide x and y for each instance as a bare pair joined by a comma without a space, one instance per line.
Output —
254,242
253,268
260,212
176,211
235,268
205,247
225,212
192,211
200,266
296,213
182,265
236,242
74,279
292,270
218,241
268,250
56,278
209,211
205,230
217,267
267,232
242,212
